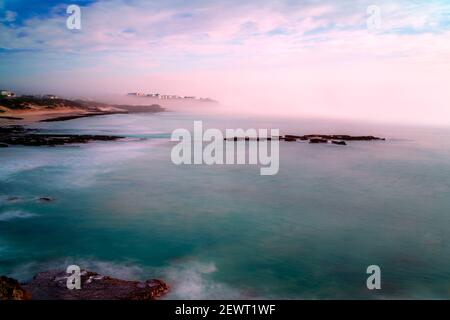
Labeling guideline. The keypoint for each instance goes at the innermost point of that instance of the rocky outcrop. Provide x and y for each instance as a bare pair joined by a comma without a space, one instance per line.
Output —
289,136
249,139
341,137
334,139
78,116
17,135
52,285
312,138
339,142
10,289
46,199
317,140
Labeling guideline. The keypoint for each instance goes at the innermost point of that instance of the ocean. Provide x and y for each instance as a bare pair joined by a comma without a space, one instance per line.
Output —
224,231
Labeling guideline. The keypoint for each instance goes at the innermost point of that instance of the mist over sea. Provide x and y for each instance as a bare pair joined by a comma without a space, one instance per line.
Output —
224,231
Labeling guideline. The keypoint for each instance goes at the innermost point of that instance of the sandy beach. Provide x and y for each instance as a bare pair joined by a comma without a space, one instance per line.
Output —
24,117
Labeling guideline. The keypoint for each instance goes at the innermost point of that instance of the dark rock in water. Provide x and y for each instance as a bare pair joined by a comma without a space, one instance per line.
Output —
46,199
341,143
52,285
10,289
317,140
3,145
12,199
17,135
78,116
249,139
342,137
313,138
290,136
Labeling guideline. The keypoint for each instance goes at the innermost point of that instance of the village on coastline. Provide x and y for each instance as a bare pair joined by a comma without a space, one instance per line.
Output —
169,97
10,94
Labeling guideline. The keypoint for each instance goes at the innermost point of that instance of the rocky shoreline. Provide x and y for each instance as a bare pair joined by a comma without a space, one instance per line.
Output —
78,116
312,138
52,285
18,135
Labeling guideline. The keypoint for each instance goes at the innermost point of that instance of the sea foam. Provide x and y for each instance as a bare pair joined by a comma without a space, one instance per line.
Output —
15,214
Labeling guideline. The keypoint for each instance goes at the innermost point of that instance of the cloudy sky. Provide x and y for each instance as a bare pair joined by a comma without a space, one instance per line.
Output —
285,56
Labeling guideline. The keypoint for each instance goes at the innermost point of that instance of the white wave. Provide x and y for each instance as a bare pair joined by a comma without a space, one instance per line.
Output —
124,271
15,214
77,166
193,281
188,280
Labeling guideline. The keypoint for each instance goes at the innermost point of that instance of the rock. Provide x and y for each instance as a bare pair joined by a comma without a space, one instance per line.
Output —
17,135
12,199
10,289
3,145
290,136
248,139
317,140
342,137
313,138
46,199
52,285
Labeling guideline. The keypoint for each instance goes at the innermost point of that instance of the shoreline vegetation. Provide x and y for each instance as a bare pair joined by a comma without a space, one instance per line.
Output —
30,109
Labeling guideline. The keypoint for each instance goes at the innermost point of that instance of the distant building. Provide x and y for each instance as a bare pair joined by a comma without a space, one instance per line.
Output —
7,93
167,96
50,96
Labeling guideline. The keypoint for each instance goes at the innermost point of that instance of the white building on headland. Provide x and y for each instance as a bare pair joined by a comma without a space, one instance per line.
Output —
7,93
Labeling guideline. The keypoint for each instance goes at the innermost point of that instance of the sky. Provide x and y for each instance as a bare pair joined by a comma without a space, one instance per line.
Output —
287,57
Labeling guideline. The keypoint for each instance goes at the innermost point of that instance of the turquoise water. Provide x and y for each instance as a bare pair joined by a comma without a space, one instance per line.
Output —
309,232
